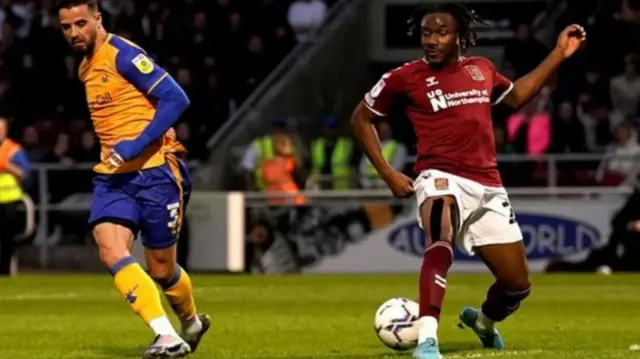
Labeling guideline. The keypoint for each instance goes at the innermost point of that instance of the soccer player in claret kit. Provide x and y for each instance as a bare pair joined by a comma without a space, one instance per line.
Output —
459,191
141,185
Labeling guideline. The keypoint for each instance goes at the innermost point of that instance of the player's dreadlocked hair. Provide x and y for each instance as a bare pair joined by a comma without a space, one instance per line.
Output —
465,18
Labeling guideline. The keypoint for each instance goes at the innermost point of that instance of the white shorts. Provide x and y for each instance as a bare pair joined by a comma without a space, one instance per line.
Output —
486,216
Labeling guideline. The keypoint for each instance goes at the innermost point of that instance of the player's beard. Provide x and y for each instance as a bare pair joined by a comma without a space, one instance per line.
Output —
92,42
443,59
89,45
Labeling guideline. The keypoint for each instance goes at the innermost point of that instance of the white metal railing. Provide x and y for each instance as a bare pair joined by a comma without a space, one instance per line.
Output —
553,162
350,197
41,173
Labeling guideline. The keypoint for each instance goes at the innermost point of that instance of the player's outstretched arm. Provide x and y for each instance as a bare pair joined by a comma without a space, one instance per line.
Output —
155,82
528,86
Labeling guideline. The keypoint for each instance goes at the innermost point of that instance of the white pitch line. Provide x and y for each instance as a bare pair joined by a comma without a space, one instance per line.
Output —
635,347
39,296
518,353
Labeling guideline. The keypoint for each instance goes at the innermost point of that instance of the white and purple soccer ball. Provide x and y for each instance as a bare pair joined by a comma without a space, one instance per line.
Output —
394,323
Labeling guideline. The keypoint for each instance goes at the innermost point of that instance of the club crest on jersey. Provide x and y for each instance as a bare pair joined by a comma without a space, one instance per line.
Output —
475,73
143,64
441,184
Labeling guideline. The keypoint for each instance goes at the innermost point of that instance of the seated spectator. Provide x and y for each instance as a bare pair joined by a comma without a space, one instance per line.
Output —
31,144
61,151
614,171
523,53
89,149
252,69
593,87
195,148
625,89
568,132
597,120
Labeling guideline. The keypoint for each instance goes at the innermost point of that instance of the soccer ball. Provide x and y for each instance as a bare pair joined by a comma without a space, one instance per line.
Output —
394,323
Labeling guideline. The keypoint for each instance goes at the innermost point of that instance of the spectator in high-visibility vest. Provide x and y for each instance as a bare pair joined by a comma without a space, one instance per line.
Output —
394,152
14,168
279,173
333,157
261,149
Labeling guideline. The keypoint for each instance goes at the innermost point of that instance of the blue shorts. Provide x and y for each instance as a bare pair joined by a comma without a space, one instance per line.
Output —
151,201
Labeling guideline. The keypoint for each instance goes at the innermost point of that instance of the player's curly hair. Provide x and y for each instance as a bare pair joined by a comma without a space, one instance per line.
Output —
67,4
465,18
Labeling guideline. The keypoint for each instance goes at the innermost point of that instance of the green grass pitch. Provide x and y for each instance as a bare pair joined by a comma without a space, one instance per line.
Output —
303,317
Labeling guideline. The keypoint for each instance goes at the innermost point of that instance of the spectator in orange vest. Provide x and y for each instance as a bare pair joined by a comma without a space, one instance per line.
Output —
279,173
14,168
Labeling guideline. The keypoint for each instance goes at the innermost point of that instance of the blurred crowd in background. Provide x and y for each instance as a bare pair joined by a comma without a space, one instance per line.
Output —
220,50
590,107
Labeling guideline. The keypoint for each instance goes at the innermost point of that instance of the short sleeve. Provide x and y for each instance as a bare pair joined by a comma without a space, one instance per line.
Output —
501,86
136,67
385,94
21,160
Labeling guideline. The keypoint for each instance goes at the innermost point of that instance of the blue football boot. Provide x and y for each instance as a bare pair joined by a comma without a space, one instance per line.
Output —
490,339
427,350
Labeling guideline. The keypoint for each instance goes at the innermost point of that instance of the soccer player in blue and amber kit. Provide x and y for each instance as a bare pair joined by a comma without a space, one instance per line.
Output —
141,185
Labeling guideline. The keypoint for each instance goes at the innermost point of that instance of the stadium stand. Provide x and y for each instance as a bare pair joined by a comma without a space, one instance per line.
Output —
217,50
588,110
221,50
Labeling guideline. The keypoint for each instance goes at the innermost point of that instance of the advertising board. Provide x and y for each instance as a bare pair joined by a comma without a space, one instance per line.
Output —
551,229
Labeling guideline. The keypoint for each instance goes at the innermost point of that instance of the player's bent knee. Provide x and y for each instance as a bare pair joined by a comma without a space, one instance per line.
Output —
113,242
503,302
162,270
513,298
517,281
519,284
162,263
166,276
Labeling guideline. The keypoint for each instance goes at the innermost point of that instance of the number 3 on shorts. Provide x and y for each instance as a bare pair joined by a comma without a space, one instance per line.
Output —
512,215
174,213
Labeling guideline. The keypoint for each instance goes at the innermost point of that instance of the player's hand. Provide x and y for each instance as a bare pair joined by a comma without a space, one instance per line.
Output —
570,40
400,185
114,160
127,150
